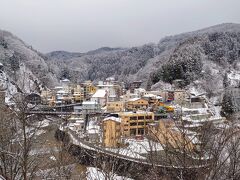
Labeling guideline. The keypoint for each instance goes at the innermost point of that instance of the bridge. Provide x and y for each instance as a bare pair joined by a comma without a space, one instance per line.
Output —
67,105
66,113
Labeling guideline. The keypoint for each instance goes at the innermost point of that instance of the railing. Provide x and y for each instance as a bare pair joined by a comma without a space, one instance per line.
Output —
63,113
90,146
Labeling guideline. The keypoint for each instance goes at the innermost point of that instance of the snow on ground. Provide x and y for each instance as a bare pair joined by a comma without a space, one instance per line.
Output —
39,132
161,85
136,148
195,91
96,174
234,77
77,142
216,111
93,127
44,123
2,178
39,151
52,173
52,158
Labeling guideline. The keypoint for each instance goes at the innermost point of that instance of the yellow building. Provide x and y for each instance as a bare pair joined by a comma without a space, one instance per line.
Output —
78,94
111,132
136,104
168,135
135,123
89,89
46,96
78,97
52,101
116,106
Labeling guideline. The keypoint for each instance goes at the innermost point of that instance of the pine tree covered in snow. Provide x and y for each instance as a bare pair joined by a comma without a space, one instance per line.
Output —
227,105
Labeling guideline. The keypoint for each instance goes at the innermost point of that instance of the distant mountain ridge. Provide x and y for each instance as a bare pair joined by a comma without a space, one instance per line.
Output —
201,58
64,55
214,46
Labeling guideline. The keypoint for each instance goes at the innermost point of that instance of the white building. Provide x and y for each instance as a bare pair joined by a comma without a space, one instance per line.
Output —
126,97
140,92
64,82
90,106
112,89
100,97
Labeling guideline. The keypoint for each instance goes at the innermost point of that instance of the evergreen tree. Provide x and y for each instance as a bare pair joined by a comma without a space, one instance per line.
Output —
226,81
227,105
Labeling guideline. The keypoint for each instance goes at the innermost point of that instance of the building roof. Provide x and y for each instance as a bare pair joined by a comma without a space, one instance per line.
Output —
65,80
140,90
89,102
150,95
134,99
113,119
137,112
62,92
159,97
58,87
100,93
106,85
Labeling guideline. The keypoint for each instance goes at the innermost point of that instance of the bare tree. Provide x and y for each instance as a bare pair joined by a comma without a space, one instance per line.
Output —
17,137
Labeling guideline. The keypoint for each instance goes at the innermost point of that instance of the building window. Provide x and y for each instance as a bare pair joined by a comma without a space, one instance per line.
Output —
148,117
140,117
133,124
132,132
141,123
133,118
140,131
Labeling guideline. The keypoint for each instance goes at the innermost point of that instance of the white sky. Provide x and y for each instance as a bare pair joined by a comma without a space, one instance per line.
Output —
82,25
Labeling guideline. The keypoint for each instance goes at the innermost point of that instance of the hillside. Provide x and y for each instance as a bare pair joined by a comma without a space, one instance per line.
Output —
23,68
201,58
100,64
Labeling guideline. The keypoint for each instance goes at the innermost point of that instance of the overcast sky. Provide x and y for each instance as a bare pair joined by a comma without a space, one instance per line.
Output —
82,25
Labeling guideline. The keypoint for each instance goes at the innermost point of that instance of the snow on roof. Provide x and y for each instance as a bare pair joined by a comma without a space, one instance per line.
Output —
65,80
200,110
58,87
149,95
140,90
137,112
113,119
134,99
88,102
100,93
110,79
79,121
105,85
159,97
93,131
61,92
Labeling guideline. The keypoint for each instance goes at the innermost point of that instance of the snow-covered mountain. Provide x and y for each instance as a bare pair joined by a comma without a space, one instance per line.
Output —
204,59
63,55
23,69
201,58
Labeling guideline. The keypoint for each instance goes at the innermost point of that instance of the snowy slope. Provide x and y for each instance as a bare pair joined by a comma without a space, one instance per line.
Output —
24,68
210,51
